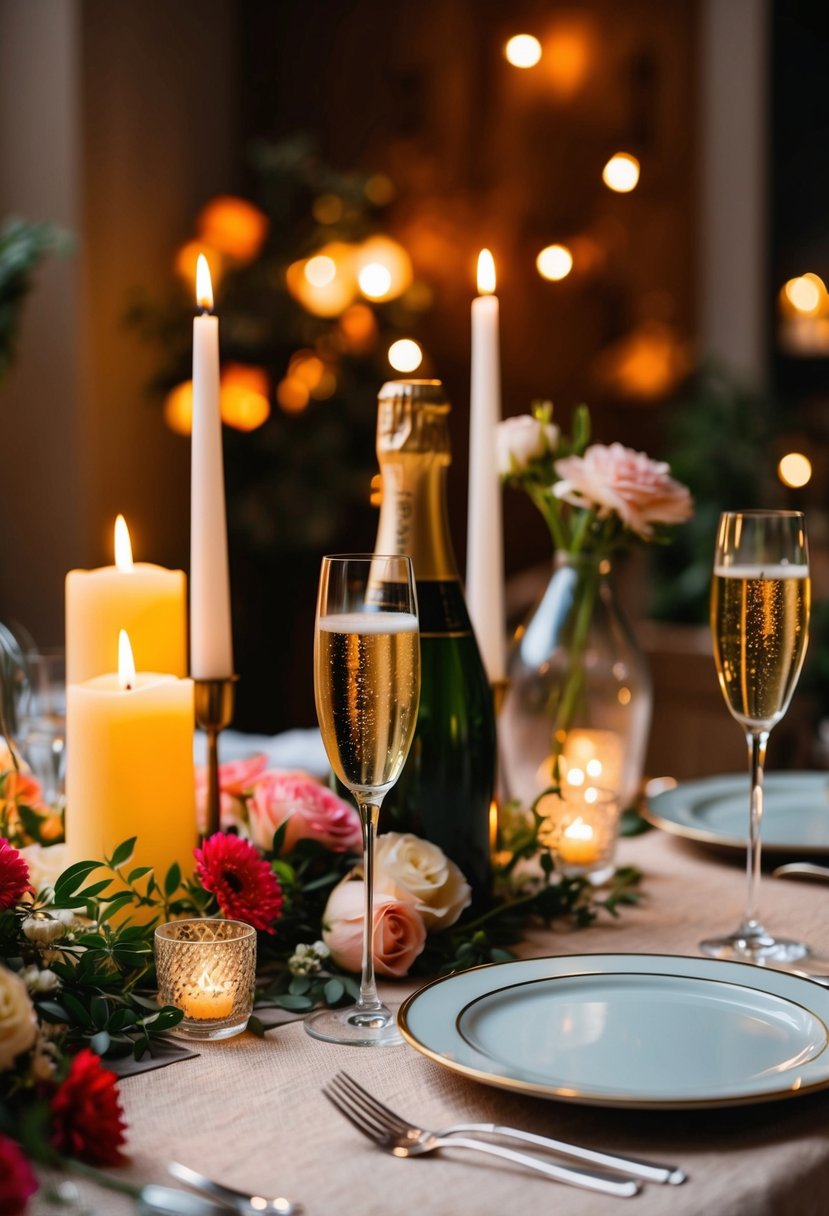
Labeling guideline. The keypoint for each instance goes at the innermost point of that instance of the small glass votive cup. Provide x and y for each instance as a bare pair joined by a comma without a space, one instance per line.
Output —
581,828
207,969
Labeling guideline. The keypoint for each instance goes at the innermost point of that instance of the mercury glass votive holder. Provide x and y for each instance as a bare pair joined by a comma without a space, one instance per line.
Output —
581,827
207,969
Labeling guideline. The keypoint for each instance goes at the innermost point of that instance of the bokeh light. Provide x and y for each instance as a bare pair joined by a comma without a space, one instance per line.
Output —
795,470
233,226
384,268
405,355
243,396
805,293
621,173
178,408
320,270
554,262
375,281
523,51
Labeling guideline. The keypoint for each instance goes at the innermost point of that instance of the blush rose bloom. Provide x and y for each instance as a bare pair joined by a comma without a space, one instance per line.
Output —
18,1024
418,872
399,931
519,441
309,810
236,779
618,479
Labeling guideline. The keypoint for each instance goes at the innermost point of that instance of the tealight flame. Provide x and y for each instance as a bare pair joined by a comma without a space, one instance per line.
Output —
486,273
204,287
123,546
578,830
126,662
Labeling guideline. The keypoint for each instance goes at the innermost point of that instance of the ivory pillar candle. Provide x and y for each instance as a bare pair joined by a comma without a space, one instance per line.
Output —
129,745
485,546
146,600
211,647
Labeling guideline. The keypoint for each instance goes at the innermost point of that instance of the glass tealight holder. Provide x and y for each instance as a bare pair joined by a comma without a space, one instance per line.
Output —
207,969
581,827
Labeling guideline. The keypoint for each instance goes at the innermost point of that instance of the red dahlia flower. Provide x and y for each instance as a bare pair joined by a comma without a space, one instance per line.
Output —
245,886
87,1119
17,1180
14,875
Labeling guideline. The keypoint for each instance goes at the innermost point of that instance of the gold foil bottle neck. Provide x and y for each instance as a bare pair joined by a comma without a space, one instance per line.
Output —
412,417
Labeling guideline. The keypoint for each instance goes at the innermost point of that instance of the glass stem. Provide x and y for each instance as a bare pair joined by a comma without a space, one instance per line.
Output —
369,815
757,741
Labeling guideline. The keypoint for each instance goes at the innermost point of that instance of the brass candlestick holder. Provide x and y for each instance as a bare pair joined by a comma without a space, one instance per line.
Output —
214,701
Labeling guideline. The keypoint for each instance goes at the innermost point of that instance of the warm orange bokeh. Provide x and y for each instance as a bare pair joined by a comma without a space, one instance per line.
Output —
244,396
233,226
178,408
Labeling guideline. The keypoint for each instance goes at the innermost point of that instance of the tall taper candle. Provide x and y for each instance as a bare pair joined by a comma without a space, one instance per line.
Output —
211,647
485,544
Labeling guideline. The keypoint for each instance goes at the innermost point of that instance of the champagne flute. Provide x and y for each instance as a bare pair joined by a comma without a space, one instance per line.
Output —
367,688
760,597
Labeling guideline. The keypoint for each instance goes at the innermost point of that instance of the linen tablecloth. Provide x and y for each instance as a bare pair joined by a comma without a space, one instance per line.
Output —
250,1111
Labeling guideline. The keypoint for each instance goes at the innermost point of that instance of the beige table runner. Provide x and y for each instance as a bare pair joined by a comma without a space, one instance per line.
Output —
250,1112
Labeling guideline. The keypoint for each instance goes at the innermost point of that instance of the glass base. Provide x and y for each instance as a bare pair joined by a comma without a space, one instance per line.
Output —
189,1028
757,946
355,1027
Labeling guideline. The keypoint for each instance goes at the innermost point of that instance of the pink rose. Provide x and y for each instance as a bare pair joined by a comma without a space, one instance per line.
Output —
309,810
235,779
399,932
618,479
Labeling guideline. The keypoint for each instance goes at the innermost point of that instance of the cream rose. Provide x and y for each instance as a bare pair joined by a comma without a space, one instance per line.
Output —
46,863
519,441
18,1024
640,490
418,872
399,932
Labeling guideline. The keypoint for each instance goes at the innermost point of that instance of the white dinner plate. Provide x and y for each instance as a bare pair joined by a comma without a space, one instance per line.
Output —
628,1030
714,810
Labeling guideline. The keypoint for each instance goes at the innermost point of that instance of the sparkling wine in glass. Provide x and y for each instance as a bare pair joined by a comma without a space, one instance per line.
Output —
760,598
367,687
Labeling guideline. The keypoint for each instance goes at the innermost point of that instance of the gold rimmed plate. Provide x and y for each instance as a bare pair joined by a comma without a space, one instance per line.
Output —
714,811
628,1030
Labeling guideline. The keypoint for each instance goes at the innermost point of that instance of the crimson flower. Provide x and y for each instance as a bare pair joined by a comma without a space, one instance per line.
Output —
87,1119
17,1180
14,876
245,886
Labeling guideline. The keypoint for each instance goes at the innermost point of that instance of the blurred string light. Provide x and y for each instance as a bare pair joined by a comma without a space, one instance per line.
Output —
795,470
405,355
621,173
243,400
805,293
234,226
374,280
320,270
554,262
523,51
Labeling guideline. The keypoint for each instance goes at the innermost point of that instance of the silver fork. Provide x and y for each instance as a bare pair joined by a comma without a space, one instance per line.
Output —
416,1141
648,1171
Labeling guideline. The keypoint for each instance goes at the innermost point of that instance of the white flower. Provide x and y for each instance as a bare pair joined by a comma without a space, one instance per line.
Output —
42,928
519,441
417,872
39,981
46,864
18,1023
308,960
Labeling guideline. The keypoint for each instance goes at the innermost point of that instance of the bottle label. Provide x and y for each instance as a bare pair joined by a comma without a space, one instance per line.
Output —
441,609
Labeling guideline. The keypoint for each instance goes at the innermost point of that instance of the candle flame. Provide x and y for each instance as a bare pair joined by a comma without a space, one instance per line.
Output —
123,546
126,662
486,273
579,830
204,287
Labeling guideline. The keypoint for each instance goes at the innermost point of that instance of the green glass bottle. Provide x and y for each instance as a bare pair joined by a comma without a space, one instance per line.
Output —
445,791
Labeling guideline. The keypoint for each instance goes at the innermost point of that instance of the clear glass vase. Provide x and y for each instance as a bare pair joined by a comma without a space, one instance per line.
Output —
577,709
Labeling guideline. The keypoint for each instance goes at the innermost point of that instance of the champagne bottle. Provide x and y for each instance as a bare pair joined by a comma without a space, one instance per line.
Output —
445,790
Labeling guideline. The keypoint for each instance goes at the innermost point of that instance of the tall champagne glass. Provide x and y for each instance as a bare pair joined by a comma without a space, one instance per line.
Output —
367,687
760,597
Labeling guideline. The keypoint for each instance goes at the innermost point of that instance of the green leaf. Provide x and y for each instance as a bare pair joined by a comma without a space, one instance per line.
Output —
71,878
279,837
52,1011
100,1043
138,872
173,880
122,853
99,1012
78,1014
97,887
299,985
255,1027
116,904
334,991
298,1003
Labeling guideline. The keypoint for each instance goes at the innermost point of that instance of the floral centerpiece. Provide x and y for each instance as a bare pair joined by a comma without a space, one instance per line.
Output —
77,979
579,690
